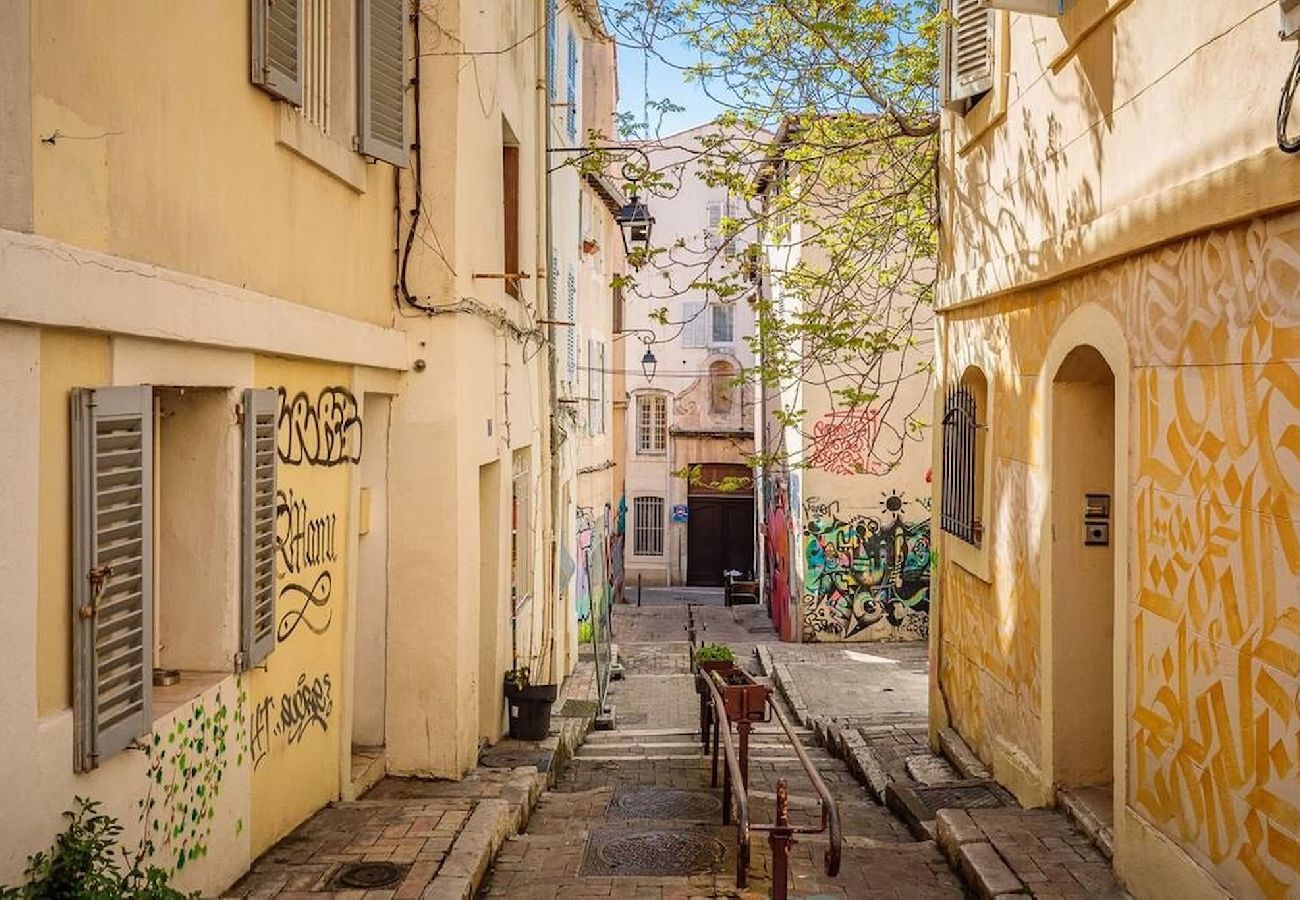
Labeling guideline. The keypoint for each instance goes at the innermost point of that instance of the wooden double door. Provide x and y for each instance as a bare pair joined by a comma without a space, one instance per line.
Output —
719,536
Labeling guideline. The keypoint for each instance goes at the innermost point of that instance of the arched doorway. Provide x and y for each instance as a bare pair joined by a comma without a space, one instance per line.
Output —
1083,532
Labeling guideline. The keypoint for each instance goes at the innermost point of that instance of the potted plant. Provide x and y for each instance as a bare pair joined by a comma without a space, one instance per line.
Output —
529,705
713,658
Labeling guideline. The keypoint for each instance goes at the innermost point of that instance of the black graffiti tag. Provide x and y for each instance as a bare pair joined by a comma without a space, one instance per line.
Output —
309,703
309,600
259,733
304,540
326,432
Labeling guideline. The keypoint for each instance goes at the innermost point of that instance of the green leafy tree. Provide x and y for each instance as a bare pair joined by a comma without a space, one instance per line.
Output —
828,144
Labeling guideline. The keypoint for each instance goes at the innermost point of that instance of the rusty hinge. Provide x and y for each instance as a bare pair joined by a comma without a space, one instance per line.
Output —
98,577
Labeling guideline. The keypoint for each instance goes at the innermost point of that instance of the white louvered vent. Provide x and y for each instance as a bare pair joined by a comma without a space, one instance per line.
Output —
259,502
970,50
277,48
112,431
383,80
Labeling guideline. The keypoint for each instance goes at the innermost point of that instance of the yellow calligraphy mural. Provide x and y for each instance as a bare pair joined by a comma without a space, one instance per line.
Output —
1213,325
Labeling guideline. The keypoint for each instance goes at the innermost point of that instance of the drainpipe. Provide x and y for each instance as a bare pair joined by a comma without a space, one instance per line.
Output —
550,582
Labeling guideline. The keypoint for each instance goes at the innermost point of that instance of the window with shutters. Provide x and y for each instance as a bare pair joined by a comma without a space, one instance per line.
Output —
968,52
596,395
510,218
651,424
648,526
258,513
552,27
156,567
962,474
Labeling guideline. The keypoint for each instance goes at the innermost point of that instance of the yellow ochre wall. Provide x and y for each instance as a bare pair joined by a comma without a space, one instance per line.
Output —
161,150
296,703
1211,628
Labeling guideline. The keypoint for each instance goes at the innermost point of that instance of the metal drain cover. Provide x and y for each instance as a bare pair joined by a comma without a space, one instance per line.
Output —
369,875
685,851
975,795
650,802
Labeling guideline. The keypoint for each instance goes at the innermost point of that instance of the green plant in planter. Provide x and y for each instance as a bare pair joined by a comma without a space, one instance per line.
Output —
518,678
86,863
714,653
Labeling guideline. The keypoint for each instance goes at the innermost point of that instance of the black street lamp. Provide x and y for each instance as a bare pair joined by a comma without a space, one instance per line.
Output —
636,222
649,364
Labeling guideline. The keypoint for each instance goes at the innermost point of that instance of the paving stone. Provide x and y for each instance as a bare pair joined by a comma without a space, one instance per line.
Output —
986,872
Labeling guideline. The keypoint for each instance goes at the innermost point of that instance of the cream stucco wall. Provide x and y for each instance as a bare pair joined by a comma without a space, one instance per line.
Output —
1132,147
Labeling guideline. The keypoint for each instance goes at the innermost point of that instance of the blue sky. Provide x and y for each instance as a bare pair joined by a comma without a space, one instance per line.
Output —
664,81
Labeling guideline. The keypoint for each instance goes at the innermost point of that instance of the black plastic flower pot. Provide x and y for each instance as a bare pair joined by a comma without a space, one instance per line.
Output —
530,710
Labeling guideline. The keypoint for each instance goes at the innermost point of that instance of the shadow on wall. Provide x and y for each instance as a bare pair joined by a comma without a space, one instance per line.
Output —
866,579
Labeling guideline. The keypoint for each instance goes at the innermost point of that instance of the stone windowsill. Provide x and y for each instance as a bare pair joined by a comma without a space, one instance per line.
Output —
295,133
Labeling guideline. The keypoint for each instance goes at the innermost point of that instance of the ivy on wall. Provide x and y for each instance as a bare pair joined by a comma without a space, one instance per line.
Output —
187,764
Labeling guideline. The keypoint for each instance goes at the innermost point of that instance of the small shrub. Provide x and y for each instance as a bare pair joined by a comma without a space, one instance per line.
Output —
714,653
86,863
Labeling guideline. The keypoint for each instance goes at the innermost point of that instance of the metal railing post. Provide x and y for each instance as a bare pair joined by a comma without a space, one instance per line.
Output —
780,840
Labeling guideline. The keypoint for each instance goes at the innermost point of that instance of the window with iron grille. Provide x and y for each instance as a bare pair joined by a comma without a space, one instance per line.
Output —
963,454
648,526
651,423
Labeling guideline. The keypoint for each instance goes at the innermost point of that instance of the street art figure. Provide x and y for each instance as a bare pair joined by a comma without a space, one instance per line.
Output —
859,573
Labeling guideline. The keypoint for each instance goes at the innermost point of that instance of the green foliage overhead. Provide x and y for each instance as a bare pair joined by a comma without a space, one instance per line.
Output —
828,146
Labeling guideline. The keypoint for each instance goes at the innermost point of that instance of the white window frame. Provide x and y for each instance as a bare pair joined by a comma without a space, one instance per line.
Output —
651,424
713,315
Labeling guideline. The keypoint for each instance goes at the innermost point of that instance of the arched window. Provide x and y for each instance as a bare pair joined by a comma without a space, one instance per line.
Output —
965,432
722,378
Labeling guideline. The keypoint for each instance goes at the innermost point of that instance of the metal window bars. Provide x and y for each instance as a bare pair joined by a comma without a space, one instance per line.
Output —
960,488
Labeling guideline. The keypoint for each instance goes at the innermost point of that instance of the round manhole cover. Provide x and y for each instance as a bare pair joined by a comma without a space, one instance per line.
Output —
370,875
663,852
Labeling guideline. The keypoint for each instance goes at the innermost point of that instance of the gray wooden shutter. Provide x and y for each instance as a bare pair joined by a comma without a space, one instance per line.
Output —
969,50
112,575
277,39
382,56
257,595
695,322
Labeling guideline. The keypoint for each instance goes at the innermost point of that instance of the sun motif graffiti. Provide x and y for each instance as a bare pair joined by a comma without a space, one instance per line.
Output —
859,572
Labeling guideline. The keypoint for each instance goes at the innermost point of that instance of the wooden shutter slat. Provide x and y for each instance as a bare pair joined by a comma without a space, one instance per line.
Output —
112,432
969,50
258,588
278,29
382,93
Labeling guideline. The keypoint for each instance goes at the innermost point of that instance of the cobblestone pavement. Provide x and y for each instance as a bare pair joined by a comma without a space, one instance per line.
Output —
650,775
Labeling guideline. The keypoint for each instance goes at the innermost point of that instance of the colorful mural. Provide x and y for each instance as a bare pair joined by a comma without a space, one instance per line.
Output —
865,573
1213,332
777,546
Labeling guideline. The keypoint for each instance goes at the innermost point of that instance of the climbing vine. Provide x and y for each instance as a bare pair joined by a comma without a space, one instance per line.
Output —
187,764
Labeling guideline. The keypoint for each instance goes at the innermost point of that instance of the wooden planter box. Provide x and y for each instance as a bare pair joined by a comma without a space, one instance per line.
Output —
702,670
744,699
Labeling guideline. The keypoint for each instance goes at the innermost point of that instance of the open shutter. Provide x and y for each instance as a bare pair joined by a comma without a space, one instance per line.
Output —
277,41
257,594
969,50
694,325
571,86
112,577
382,53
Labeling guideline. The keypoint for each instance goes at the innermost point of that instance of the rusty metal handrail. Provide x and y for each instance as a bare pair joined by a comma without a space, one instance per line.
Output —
737,788
830,810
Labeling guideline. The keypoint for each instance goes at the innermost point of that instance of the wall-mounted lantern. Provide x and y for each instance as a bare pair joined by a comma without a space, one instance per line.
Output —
636,223
649,364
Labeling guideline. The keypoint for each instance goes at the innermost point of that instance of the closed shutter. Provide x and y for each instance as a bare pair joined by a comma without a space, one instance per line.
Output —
551,12
277,41
257,594
571,330
112,576
382,48
600,393
695,331
969,50
571,86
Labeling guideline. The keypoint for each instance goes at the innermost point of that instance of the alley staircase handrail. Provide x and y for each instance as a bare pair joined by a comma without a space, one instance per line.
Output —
737,787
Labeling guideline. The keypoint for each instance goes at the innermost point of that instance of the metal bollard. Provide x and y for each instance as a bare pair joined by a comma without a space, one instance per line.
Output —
780,840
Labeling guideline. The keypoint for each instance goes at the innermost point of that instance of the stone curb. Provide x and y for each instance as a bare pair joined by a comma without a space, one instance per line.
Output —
495,820
963,759
969,851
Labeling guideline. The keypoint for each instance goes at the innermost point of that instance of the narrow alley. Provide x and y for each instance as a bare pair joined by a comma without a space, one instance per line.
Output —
634,815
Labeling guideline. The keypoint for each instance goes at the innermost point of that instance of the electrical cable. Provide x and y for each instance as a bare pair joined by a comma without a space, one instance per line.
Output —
1287,144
